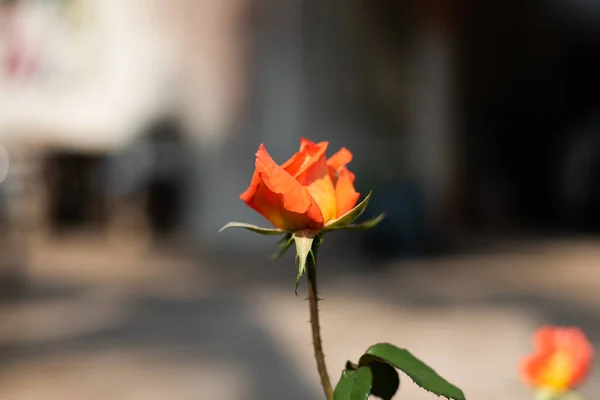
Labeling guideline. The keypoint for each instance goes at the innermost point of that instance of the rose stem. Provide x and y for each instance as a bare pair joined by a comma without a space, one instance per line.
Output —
313,300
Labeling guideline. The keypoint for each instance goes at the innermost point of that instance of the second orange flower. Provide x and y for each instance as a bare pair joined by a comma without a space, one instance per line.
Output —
561,360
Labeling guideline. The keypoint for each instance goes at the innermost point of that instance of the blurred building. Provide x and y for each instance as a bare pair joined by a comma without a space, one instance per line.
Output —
530,105
463,116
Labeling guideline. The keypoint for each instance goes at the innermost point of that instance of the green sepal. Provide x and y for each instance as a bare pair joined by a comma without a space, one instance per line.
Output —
354,385
367,224
550,395
544,395
570,396
349,217
304,249
423,375
253,228
285,243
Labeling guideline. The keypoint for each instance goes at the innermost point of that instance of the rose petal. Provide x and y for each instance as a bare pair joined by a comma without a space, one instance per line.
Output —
280,198
582,353
556,371
530,368
309,167
308,154
544,339
345,194
318,182
340,159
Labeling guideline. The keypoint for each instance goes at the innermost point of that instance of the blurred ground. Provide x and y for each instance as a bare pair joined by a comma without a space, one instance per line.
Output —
114,321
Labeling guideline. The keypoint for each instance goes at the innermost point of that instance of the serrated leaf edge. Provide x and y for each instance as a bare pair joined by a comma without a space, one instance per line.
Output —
411,378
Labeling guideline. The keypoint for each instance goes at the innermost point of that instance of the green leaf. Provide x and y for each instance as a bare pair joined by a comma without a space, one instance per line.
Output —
350,367
285,242
418,371
367,224
253,228
346,372
304,243
349,217
354,385
385,380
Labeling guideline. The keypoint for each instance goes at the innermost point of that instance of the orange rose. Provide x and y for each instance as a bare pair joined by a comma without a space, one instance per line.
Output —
561,360
305,192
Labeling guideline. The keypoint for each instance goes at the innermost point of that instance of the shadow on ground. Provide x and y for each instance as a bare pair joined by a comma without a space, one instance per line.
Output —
213,328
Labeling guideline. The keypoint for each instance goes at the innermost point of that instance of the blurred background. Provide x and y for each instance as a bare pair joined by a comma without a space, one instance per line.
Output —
128,130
